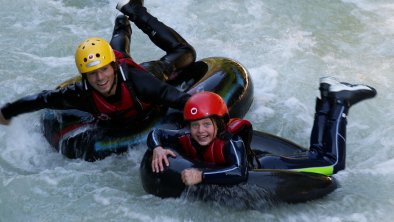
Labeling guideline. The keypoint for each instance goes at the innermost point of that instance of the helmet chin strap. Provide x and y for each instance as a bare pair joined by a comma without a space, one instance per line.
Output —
113,84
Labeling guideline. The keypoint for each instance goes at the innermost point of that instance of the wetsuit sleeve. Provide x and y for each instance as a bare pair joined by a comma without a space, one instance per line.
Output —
235,172
164,138
152,90
67,98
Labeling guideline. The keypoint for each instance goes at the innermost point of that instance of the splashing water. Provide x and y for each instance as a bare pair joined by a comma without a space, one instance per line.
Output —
286,45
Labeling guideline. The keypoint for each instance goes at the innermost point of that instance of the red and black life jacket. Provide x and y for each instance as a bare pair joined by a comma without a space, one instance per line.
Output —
128,106
214,153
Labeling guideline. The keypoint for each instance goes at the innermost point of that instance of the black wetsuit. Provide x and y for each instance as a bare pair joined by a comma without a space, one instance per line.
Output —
327,152
146,88
142,85
233,171
325,156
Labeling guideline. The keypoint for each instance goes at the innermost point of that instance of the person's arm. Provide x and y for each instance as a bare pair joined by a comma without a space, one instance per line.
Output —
66,98
235,172
159,157
158,138
150,89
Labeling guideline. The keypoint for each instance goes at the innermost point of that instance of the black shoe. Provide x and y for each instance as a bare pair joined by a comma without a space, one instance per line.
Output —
121,4
347,93
122,24
130,8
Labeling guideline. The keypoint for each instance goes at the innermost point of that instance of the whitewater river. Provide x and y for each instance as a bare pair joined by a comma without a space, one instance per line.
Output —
286,45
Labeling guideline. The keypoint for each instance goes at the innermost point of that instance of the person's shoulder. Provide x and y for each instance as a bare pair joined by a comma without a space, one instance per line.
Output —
80,87
238,121
236,125
77,90
131,72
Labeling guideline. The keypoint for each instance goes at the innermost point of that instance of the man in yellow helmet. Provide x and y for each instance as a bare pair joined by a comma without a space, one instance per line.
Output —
114,88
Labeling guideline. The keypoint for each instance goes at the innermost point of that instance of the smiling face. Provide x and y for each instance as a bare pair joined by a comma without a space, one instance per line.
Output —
102,80
203,131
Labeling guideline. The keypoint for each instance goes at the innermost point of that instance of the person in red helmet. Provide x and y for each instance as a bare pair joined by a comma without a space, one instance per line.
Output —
206,141
221,146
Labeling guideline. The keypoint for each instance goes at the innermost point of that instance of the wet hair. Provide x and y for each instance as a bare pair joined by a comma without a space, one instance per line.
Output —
220,124
115,66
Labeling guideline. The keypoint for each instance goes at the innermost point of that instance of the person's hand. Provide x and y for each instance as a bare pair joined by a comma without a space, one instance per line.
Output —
191,176
3,121
159,156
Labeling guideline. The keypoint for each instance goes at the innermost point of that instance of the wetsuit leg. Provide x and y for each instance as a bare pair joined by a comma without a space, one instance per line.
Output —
334,147
328,149
179,53
313,158
316,156
321,111
341,96
121,35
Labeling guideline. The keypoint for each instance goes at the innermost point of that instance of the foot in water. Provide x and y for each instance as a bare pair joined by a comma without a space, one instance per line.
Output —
346,93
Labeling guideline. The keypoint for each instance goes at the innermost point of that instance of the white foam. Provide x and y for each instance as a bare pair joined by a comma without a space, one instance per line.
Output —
285,45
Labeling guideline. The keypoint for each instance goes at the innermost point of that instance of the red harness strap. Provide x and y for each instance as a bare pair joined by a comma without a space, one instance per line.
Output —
129,61
122,60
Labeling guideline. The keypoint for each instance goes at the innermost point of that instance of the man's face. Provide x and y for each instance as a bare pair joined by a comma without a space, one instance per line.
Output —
102,80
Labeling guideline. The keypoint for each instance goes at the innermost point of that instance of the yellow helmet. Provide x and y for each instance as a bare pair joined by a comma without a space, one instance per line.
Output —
92,54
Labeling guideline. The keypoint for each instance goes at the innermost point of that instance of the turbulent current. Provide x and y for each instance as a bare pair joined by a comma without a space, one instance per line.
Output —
286,46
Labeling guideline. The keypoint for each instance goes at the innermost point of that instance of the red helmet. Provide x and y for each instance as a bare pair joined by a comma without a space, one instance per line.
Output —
204,104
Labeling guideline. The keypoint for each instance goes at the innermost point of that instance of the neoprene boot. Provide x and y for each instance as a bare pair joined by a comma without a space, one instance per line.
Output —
346,93
341,97
121,35
127,7
179,53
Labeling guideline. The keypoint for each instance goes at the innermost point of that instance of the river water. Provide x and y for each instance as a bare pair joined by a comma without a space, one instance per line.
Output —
286,45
